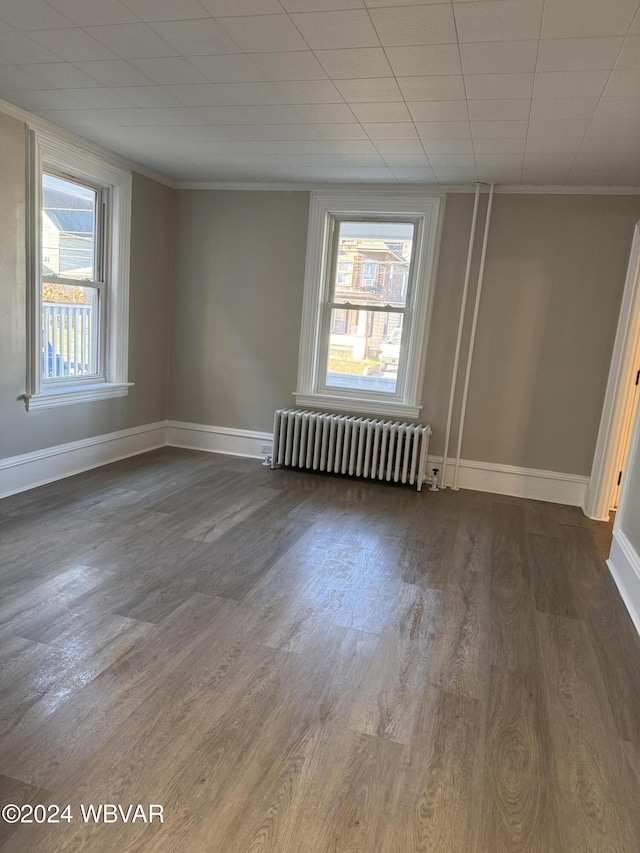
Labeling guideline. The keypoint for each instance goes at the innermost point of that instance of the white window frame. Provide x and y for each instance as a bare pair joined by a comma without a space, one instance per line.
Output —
325,210
45,153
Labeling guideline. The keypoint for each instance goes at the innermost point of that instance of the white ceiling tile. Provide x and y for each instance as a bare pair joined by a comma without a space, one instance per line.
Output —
499,129
393,111
570,84
413,175
46,99
500,168
628,176
230,8
339,131
558,128
563,108
406,161
266,132
77,118
12,78
410,25
19,49
454,168
133,117
438,88
167,10
497,86
32,15
438,110
274,114
84,14
584,18
352,147
499,20
370,89
499,57
388,147
230,68
327,30
114,72
310,92
357,63
505,109
168,69
629,58
264,33
618,108
591,54
64,75
366,160
447,146
289,65
321,5
101,98
227,94
432,59
623,84
131,41
606,146
386,130
557,146
444,129
588,170
615,127
147,96
326,113
546,168
635,26
499,145
195,38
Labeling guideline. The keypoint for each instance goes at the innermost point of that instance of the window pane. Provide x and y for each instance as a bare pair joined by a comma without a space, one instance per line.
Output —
68,229
69,331
364,350
372,262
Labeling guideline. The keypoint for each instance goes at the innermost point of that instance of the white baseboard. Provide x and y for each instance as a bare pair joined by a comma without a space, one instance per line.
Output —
43,466
624,565
534,483
19,473
215,439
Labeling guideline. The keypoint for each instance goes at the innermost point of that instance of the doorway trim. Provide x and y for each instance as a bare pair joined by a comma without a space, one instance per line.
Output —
618,400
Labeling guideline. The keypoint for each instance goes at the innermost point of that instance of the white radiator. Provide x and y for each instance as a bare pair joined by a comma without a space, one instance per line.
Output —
342,444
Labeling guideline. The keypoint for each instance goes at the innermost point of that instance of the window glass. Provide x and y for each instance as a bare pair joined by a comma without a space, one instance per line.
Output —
68,229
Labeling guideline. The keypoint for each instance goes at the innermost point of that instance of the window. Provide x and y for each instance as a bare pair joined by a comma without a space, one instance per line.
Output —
78,271
370,263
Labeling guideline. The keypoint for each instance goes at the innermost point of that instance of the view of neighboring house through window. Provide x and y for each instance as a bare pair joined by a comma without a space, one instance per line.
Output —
72,258
370,266
372,263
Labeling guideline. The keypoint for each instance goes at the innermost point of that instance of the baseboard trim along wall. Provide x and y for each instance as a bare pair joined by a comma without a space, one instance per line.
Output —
19,473
29,470
624,565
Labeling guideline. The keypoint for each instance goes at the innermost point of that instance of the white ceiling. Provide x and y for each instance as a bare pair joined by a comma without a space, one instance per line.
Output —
393,91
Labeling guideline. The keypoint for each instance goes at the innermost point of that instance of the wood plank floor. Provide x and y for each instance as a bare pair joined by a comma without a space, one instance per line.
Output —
305,664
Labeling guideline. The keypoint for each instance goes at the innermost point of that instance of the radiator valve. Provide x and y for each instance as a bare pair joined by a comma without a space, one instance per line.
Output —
434,480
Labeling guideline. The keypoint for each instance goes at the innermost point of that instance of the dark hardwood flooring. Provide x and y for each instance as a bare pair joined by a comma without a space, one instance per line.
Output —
306,664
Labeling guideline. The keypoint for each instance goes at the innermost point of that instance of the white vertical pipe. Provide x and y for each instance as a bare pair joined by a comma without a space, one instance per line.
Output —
463,307
472,339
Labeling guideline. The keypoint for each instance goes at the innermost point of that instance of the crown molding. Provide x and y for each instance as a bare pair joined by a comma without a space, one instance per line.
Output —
40,124
505,189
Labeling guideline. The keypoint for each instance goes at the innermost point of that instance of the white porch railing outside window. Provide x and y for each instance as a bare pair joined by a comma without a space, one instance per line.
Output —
68,346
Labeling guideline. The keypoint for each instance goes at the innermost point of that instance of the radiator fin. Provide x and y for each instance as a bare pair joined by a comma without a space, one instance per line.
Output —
341,444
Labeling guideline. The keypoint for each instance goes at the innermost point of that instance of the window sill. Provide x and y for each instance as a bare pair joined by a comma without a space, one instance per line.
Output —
55,397
354,405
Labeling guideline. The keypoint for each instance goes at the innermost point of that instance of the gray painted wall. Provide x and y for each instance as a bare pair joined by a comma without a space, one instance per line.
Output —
554,278
152,229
